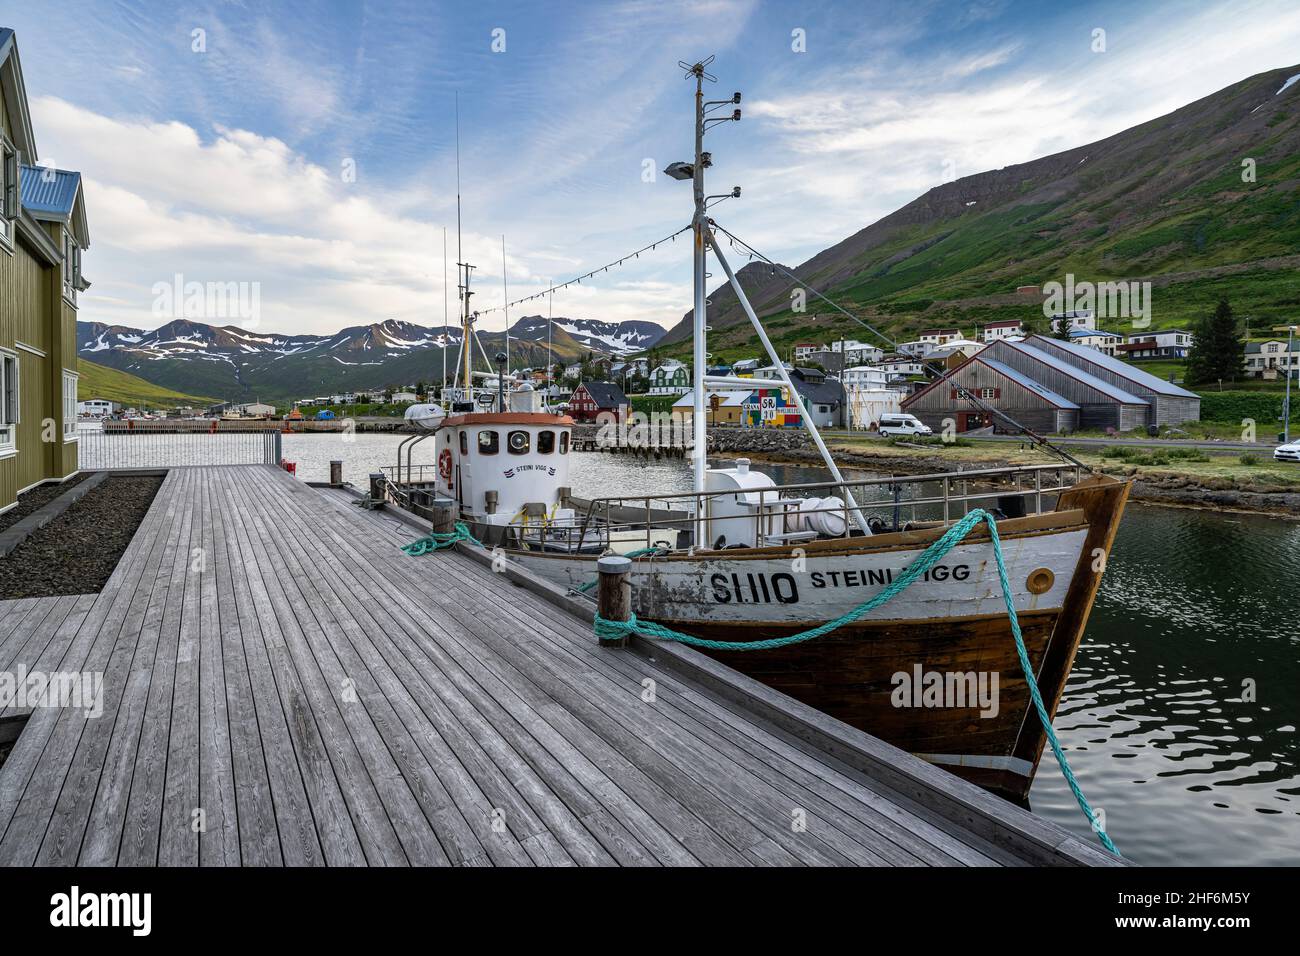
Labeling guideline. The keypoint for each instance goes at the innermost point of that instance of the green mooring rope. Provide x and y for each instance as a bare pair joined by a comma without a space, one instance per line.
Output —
928,559
434,541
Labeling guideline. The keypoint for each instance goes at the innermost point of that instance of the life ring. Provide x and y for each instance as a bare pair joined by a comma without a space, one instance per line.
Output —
444,464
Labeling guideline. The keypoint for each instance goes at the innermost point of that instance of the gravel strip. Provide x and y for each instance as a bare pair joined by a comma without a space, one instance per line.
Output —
77,551
38,498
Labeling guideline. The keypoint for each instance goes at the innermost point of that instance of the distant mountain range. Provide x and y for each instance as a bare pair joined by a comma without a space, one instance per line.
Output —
242,364
1204,202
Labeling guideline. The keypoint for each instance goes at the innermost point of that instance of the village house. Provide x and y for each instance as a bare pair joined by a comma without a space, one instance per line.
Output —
671,378
952,353
865,376
1079,319
1102,341
1168,344
723,408
933,337
900,365
1002,330
803,350
857,353
590,400
98,408
1265,359
43,232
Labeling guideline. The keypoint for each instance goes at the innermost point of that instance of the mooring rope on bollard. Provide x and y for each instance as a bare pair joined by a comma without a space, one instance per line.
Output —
605,628
435,541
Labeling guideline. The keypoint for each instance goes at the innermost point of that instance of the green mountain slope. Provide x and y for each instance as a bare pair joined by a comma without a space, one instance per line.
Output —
1165,202
98,381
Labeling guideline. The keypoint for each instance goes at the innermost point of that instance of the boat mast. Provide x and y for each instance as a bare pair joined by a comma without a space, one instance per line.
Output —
700,438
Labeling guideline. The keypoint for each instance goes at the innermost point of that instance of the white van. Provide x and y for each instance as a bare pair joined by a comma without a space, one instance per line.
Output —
902,424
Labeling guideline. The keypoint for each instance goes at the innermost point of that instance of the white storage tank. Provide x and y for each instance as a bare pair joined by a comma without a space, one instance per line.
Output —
733,519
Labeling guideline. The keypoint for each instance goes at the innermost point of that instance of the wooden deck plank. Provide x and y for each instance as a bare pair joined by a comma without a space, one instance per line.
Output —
611,833
272,659
463,821
380,623
141,839
741,834
895,816
400,774
107,829
311,696
24,817
286,717
259,836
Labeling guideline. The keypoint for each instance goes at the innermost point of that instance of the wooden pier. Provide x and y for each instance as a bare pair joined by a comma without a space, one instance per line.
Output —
283,685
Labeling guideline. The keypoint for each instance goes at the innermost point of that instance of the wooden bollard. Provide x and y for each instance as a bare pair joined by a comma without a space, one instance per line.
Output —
614,593
336,473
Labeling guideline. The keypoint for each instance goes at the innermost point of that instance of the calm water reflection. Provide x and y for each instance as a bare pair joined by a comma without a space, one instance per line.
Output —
1194,605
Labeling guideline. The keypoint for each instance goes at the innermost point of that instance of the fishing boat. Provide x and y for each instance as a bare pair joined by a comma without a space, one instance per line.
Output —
741,559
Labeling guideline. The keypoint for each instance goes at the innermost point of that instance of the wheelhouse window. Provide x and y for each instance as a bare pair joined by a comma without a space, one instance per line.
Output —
464,444
8,401
69,406
519,442
9,196
564,443
489,443
545,443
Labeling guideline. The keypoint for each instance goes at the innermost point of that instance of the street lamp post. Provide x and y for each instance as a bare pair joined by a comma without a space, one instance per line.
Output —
1290,366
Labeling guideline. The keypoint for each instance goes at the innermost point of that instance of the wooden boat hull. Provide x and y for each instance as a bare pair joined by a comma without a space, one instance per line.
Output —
934,671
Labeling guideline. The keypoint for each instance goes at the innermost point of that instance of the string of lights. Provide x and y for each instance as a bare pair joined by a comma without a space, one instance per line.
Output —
577,280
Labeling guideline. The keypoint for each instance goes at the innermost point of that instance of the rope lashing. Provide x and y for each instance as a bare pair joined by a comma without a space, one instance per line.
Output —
435,541
925,561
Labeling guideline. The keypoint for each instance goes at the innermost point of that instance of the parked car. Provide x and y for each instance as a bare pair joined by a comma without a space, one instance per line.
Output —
1289,452
902,424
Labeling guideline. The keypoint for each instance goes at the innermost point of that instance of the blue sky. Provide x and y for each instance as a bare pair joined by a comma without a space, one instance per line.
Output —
228,164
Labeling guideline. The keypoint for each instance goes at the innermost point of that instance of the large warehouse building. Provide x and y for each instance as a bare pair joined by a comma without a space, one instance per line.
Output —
1050,385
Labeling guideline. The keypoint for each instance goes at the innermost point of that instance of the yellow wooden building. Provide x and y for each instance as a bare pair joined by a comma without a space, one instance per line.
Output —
43,231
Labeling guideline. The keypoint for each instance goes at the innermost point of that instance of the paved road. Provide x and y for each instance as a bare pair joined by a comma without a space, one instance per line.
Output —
1210,445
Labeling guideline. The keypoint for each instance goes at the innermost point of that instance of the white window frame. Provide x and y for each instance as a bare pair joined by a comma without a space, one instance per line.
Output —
71,267
10,402
10,194
69,406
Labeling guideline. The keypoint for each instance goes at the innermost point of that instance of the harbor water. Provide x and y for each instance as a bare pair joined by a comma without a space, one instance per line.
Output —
1180,717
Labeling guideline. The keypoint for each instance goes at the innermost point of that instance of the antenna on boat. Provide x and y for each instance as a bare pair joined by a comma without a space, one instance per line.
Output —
701,225
505,294
694,171
463,277
550,351
444,312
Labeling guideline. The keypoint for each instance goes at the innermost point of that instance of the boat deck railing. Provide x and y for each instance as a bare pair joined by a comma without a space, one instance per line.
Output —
942,497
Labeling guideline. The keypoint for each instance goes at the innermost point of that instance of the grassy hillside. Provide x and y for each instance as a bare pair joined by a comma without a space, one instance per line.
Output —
98,381
1165,202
